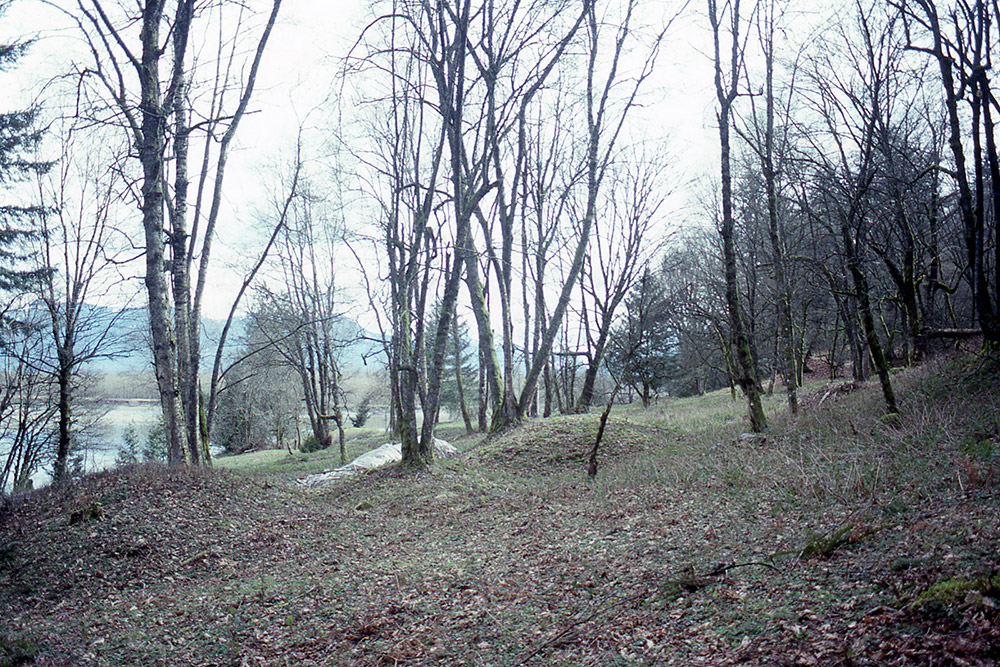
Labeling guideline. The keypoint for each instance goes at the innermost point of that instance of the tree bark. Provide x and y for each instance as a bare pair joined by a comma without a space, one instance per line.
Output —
502,415
152,147
60,472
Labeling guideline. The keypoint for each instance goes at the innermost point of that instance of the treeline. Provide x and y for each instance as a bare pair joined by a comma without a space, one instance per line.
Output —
858,189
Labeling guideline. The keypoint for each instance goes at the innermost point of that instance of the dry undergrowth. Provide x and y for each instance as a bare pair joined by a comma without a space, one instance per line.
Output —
834,539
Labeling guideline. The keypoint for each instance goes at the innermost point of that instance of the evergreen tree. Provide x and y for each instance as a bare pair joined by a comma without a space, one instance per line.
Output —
19,136
23,391
155,449
643,348
451,397
128,452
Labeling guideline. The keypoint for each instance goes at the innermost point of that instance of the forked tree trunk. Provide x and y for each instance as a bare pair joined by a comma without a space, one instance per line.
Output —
152,148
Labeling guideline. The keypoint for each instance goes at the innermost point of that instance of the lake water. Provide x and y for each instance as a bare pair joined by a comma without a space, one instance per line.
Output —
102,445
142,415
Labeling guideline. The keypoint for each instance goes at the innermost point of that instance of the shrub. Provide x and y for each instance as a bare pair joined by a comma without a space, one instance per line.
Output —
311,444
359,418
155,449
128,452
364,411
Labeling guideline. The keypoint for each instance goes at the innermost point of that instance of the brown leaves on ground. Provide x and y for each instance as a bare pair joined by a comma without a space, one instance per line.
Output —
506,556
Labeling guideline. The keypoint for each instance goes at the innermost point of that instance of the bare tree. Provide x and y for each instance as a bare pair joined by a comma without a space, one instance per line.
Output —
80,249
852,108
623,245
303,318
130,49
962,45
772,152
606,116
28,403
547,193
727,76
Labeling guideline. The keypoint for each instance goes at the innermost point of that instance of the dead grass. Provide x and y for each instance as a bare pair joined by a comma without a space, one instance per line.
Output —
841,450
694,546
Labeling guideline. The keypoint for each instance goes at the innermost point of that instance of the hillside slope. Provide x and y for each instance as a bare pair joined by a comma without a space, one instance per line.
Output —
835,539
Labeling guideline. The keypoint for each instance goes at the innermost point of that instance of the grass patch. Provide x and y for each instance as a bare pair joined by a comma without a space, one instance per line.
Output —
954,590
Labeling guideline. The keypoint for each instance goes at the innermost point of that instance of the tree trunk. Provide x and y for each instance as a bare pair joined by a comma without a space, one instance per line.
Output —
990,319
502,413
747,378
406,379
597,358
180,271
60,472
726,347
204,428
152,146
592,466
483,393
867,319
453,280
338,417
466,417
784,294
547,409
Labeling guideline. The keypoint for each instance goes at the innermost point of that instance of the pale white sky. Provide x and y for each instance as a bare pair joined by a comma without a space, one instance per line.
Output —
295,77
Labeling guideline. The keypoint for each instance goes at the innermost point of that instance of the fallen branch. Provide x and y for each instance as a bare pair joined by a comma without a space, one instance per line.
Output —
200,556
951,333
569,628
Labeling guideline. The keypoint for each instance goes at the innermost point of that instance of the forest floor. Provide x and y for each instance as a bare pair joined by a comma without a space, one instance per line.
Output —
836,538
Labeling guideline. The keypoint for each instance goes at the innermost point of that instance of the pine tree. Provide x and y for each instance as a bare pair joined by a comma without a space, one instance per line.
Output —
19,136
453,387
643,347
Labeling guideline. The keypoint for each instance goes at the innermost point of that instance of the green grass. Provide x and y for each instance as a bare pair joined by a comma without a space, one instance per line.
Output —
840,452
299,464
836,454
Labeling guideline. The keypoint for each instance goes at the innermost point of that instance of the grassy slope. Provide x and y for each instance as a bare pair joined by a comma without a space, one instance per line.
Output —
836,539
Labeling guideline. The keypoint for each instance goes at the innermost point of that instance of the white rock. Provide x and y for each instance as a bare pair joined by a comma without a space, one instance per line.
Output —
379,457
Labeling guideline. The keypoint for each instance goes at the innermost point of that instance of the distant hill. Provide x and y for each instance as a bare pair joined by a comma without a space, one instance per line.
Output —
132,333
132,337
